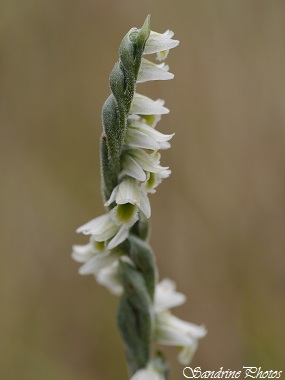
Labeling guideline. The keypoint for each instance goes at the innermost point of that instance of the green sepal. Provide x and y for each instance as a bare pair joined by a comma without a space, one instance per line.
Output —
134,317
127,57
142,256
141,39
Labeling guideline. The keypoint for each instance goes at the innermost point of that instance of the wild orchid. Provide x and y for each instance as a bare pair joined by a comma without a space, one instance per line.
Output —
118,253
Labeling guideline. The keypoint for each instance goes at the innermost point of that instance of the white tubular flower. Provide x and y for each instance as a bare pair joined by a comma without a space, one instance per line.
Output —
145,168
82,253
98,262
142,105
166,296
141,135
127,193
170,330
150,71
160,44
154,178
137,139
151,372
104,229
131,168
147,162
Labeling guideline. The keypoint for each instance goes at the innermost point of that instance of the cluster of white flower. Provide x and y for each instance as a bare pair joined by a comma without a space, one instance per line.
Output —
140,174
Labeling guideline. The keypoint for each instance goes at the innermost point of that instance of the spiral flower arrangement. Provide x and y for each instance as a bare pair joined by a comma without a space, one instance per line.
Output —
118,253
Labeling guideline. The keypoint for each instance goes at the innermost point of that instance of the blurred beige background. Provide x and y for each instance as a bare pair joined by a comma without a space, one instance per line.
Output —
218,221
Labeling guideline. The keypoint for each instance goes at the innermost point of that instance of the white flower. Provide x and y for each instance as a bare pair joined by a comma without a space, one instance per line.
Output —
170,330
160,44
129,191
82,253
101,263
103,228
142,105
132,168
136,162
98,262
151,372
141,135
150,71
153,179
166,296
148,162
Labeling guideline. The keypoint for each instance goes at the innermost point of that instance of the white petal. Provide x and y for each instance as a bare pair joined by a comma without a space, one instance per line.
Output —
144,204
150,71
102,228
132,168
137,139
142,105
166,296
157,136
121,236
82,253
128,192
146,161
159,42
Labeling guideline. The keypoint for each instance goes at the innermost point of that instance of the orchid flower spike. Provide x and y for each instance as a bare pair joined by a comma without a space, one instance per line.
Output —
118,254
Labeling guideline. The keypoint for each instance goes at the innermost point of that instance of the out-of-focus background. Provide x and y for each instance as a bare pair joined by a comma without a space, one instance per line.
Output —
218,221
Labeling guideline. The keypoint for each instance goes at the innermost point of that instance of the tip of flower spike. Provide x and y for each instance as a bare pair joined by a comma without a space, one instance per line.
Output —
144,32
